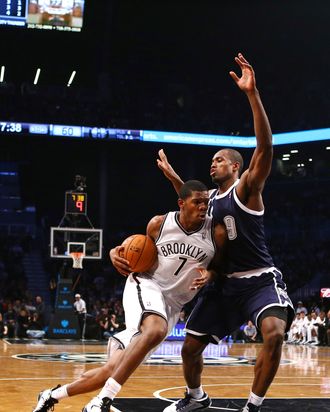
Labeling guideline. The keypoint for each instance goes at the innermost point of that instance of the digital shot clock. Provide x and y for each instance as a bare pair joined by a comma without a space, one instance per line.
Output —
76,203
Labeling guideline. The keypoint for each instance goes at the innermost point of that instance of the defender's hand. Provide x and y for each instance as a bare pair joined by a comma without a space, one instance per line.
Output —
247,81
203,279
165,166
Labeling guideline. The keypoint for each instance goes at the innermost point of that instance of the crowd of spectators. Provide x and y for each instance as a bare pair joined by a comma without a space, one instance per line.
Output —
23,315
311,326
13,282
298,236
22,318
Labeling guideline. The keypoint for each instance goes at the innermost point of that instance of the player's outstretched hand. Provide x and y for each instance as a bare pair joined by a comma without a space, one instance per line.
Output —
121,264
247,81
168,171
164,165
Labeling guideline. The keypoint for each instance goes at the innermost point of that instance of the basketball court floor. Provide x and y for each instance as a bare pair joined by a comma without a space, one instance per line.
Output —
28,366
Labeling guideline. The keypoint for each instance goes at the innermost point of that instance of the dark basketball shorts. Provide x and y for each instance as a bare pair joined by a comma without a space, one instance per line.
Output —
220,311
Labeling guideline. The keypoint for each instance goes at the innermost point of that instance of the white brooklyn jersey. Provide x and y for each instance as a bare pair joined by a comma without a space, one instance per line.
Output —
166,288
180,253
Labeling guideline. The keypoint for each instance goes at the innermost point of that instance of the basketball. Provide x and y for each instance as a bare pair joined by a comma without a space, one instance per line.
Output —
140,251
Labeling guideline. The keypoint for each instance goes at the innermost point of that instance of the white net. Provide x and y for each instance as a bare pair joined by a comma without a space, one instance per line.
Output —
77,259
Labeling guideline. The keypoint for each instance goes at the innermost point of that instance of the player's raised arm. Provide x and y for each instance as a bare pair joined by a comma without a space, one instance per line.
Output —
168,171
261,161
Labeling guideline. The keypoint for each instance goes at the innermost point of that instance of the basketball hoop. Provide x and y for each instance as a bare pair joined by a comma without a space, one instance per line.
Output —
77,258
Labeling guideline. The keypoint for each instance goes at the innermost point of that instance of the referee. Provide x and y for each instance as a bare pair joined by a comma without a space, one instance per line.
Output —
80,308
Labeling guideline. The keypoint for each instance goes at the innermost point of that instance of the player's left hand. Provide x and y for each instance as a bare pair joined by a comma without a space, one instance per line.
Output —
246,82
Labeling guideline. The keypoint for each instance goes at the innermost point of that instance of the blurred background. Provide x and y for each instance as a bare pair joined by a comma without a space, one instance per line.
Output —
158,65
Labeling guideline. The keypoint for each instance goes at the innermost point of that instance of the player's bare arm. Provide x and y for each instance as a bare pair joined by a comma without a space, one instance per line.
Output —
220,238
253,179
168,171
154,226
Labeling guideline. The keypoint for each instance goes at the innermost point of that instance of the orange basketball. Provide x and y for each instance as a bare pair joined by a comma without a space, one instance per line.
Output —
140,251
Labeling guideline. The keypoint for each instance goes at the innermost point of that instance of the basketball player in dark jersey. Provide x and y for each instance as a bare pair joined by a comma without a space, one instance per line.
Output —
252,287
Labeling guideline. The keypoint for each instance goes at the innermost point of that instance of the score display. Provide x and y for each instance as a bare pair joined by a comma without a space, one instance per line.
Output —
76,203
14,10
106,133
62,15
58,130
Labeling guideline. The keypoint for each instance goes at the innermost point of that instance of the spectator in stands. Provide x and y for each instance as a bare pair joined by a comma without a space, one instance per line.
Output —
112,326
312,329
3,328
250,332
315,308
10,318
17,305
182,317
301,308
22,323
321,326
40,310
35,327
120,315
103,321
292,335
302,325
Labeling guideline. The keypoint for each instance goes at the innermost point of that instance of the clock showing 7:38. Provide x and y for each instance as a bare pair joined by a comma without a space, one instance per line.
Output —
10,127
76,203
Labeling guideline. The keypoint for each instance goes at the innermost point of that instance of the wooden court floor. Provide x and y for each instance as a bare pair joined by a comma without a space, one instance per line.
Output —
28,367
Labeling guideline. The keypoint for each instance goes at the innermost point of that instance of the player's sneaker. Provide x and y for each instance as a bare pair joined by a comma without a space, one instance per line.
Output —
98,405
250,408
188,403
45,401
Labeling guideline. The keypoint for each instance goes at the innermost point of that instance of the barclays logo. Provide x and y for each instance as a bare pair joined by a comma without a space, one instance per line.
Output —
64,323
65,302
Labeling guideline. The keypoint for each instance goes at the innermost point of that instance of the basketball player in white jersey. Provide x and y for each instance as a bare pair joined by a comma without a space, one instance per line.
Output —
188,246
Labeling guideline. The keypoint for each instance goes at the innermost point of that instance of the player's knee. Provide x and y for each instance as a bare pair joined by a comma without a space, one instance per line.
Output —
192,348
156,335
273,339
186,352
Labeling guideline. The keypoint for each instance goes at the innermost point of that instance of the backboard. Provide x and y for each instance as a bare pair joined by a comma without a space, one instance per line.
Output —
65,240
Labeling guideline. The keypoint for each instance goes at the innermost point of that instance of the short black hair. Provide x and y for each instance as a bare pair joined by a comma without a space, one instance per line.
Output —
235,156
191,186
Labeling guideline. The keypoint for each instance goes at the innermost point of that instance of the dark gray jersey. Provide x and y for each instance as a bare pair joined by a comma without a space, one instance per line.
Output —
247,248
